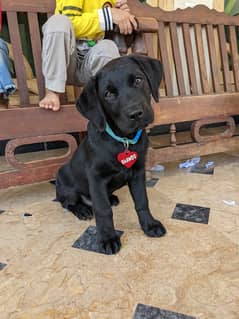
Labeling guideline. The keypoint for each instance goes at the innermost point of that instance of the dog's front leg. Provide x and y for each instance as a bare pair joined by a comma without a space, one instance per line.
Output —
108,241
149,225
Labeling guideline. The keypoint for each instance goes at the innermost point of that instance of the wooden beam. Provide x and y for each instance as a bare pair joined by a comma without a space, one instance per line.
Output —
34,121
190,108
28,6
199,14
167,154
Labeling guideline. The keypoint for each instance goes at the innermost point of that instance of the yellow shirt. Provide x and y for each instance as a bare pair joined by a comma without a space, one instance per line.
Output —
90,18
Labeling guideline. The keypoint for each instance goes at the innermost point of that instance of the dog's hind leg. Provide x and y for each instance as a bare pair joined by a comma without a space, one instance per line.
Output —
72,201
81,211
84,211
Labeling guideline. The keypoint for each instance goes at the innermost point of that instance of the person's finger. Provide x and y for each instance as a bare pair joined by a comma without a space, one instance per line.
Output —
120,3
129,27
121,27
125,7
133,21
125,27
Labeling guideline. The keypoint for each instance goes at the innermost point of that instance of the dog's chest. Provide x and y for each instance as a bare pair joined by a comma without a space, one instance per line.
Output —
120,178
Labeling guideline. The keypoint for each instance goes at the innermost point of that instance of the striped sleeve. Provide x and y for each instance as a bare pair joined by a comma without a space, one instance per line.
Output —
105,17
71,11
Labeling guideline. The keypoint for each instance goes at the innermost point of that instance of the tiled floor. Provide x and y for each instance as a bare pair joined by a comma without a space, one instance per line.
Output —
192,272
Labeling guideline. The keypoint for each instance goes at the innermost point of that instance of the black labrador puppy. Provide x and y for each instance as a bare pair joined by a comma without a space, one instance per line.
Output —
117,103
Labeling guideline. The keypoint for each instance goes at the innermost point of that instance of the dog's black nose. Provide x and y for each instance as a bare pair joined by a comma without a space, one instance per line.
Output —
136,115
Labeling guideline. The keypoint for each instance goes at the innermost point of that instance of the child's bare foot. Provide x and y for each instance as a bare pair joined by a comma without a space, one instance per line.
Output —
51,101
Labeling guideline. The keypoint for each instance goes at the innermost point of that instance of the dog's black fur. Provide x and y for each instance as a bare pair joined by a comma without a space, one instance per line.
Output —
120,94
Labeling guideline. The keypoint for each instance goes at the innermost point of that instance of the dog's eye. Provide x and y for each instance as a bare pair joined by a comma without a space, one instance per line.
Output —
138,80
109,95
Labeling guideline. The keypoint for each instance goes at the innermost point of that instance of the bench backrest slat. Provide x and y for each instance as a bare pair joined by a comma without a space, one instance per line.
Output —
201,59
177,58
224,58
190,58
18,57
213,57
36,49
149,43
234,55
165,59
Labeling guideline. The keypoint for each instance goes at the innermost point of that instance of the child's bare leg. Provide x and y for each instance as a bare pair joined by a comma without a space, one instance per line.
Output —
51,101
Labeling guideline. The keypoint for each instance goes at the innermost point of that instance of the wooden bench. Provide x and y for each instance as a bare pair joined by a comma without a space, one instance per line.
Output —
198,86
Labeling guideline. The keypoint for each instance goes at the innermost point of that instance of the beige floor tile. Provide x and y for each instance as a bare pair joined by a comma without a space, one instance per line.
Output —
193,270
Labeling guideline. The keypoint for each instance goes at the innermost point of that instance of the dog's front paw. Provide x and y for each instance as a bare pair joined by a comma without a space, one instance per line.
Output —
110,246
154,229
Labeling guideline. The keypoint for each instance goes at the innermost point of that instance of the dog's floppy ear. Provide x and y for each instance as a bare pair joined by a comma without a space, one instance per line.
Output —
88,104
153,70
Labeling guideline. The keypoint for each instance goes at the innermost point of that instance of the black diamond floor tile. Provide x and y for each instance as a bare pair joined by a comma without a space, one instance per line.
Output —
2,266
148,312
151,182
87,240
190,213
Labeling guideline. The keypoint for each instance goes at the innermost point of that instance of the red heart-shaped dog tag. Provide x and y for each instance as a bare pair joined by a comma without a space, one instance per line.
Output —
127,158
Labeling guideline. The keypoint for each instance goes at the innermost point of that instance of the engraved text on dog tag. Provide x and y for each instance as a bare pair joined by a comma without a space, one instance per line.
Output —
127,158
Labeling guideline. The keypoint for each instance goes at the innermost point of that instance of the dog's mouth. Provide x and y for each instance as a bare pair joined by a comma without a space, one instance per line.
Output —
136,126
126,126
141,126
143,123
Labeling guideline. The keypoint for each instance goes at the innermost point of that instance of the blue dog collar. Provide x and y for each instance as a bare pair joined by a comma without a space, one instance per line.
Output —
126,141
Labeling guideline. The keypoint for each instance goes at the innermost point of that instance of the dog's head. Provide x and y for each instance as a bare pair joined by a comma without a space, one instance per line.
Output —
120,94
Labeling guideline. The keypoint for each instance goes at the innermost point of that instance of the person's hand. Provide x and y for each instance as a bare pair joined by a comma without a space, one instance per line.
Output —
125,21
122,4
